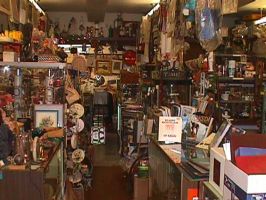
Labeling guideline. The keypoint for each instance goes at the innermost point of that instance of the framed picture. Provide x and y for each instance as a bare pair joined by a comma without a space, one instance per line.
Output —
117,66
103,67
48,115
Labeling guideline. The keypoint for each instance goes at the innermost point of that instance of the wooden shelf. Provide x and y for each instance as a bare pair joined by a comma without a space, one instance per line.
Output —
181,81
122,40
233,80
33,65
236,101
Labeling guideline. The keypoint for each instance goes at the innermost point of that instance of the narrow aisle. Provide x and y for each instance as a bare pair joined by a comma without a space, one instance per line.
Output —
108,178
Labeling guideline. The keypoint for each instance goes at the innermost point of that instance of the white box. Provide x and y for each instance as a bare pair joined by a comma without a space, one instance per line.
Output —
239,185
10,56
217,162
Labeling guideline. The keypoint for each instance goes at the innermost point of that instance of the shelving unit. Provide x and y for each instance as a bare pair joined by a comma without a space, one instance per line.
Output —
103,40
53,167
239,95
35,65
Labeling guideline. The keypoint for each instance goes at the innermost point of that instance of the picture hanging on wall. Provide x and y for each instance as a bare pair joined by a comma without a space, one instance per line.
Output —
117,66
48,115
103,67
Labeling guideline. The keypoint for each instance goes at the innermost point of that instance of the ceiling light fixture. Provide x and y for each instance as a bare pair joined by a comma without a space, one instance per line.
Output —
37,6
156,7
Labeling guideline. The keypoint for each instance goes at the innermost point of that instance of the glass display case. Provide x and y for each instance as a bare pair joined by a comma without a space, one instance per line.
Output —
44,181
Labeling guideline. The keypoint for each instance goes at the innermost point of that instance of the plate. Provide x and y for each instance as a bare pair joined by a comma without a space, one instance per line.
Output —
74,141
76,110
78,156
36,149
80,125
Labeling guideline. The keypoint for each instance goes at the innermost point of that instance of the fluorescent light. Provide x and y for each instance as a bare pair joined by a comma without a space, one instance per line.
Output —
260,21
156,7
37,6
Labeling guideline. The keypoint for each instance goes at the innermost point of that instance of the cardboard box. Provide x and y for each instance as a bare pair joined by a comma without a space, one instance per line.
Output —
9,56
217,162
239,185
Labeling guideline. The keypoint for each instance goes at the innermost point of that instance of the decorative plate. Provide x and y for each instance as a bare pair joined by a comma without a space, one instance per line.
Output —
76,110
80,125
78,156
36,149
74,141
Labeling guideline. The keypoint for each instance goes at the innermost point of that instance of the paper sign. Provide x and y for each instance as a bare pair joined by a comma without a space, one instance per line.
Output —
170,129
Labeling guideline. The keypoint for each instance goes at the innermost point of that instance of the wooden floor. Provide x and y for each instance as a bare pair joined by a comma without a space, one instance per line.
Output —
109,182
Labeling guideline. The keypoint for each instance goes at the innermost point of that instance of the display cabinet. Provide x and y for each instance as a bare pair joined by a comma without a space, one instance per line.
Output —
236,97
239,83
44,181
31,83
174,180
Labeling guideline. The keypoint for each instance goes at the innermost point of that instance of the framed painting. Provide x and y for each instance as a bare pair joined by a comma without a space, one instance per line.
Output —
48,115
103,67
117,66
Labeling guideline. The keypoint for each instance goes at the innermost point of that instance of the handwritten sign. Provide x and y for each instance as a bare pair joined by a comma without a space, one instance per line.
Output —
170,129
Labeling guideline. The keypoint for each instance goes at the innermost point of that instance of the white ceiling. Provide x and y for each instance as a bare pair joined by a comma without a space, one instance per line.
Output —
96,9
254,6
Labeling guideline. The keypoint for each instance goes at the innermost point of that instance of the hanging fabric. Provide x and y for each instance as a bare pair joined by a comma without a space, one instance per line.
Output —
208,23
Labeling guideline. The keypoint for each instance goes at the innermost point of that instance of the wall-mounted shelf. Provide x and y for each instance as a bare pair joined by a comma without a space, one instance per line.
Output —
35,65
130,41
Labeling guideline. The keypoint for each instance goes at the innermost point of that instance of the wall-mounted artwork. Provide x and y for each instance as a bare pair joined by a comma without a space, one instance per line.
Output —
103,67
48,115
117,66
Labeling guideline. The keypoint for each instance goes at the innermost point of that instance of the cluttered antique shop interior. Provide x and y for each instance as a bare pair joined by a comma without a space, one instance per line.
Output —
132,100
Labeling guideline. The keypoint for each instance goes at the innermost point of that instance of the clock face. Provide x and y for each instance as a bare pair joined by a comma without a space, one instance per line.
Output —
76,110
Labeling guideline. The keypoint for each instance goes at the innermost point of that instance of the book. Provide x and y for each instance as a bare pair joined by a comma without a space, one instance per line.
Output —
201,126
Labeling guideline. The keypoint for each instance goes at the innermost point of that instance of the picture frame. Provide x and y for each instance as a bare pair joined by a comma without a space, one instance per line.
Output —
103,67
48,115
117,65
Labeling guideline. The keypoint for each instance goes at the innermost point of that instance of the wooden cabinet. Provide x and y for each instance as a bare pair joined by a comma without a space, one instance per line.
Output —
36,182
